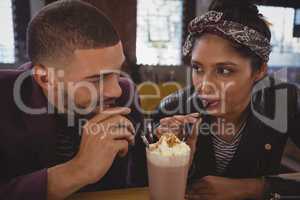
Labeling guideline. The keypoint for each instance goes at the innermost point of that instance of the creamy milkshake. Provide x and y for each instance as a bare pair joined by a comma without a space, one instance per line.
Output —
168,163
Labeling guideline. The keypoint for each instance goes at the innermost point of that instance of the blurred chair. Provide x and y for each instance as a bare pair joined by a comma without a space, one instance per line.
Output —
151,94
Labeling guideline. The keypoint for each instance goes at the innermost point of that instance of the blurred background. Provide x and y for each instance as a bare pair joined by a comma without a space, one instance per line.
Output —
153,32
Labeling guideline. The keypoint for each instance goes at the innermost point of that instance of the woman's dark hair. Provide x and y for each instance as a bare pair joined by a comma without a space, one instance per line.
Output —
244,12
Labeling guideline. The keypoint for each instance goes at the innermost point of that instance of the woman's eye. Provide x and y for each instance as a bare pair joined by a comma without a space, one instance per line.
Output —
197,69
224,71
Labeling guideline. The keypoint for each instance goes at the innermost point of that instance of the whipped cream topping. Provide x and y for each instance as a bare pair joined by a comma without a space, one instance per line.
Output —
169,145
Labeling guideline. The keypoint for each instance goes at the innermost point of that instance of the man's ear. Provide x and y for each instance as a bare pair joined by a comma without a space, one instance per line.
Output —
261,73
41,76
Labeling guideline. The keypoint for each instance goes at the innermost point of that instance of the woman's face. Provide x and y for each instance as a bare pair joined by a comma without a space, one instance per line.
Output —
222,77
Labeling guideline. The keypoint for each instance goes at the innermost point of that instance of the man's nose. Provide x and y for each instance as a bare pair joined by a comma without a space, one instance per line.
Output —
112,89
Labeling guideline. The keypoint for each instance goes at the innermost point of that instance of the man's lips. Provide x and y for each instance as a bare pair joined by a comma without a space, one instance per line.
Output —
107,104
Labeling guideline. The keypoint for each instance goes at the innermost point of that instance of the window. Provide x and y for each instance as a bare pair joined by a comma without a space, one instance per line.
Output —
286,48
7,47
159,32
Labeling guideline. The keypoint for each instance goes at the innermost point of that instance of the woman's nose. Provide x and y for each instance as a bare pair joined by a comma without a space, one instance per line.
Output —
206,86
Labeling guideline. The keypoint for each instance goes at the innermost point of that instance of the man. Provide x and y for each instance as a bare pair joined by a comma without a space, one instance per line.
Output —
71,86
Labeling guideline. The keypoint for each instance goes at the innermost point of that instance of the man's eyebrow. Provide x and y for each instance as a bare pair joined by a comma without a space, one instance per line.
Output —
93,76
100,74
106,73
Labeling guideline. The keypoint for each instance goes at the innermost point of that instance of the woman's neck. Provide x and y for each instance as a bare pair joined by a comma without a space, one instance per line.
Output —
230,124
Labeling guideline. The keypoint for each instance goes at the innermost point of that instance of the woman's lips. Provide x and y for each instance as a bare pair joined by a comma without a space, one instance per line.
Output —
209,104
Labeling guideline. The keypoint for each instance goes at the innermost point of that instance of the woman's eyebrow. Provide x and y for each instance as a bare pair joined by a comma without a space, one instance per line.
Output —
196,62
226,63
216,64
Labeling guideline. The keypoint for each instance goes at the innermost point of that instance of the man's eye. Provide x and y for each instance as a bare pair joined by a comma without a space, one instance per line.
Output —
96,80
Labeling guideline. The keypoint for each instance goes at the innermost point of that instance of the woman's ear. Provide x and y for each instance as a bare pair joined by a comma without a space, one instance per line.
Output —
261,73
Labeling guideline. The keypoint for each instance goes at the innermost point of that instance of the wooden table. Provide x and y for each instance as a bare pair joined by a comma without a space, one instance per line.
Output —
135,193
126,194
294,176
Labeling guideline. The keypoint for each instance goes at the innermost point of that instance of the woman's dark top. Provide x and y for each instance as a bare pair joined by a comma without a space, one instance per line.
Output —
274,116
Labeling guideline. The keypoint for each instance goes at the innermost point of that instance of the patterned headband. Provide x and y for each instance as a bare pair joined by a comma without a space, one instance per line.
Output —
212,22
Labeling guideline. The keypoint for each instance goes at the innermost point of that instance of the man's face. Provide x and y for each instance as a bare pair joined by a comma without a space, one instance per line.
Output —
91,80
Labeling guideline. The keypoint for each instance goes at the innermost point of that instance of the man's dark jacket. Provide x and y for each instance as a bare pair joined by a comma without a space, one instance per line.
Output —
28,142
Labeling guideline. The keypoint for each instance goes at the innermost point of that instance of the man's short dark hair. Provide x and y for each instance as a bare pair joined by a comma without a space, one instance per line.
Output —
64,26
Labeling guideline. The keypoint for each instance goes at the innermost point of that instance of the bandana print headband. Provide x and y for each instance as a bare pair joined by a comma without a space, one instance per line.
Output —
212,22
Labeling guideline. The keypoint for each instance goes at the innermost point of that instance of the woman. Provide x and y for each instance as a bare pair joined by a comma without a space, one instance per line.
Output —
248,115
